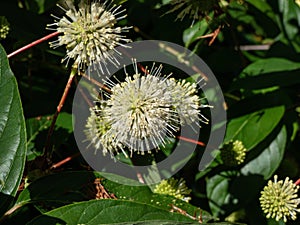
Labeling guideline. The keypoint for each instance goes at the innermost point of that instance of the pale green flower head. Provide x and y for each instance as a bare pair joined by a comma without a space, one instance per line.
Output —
4,27
233,153
279,199
89,33
173,187
96,133
186,101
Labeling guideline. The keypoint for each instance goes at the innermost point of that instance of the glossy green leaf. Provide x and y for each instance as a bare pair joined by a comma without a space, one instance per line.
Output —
12,131
269,65
252,128
268,73
268,161
108,211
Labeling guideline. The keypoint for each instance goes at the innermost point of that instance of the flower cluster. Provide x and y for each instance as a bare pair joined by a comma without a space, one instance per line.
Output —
89,33
233,153
173,187
279,199
4,27
142,112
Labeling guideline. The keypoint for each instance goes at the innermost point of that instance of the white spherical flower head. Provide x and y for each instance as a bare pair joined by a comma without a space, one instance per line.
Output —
140,111
89,33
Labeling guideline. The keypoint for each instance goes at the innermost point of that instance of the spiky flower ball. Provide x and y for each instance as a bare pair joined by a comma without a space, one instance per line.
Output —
279,199
144,111
173,187
89,32
140,112
4,27
233,153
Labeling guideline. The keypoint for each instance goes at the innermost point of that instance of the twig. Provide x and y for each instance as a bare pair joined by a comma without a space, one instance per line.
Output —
62,162
11,211
33,44
47,151
191,140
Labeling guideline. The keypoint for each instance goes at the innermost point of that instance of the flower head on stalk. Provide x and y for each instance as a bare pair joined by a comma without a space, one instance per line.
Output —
279,199
89,33
173,187
145,110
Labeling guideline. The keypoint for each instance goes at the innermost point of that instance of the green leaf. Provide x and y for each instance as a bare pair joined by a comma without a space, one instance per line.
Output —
269,160
245,128
37,129
268,73
108,211
290,21
193,33
12,131
269,65
34,126
217,193
264,7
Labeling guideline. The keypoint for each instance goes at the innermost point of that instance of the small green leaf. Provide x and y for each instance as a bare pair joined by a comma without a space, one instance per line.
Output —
12,131
193,33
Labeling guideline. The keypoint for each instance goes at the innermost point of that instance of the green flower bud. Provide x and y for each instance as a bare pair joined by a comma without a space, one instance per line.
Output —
173,187
233,153
4,27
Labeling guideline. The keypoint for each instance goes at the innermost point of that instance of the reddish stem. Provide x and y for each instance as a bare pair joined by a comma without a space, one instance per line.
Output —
297,182
62,162
191,140
33,44
58,110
